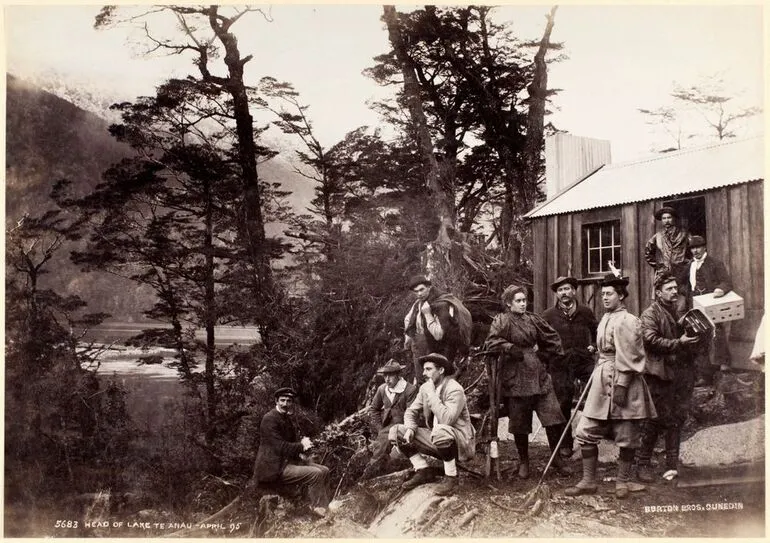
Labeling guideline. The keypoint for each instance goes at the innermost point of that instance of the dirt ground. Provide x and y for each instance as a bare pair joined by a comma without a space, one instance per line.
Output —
661,510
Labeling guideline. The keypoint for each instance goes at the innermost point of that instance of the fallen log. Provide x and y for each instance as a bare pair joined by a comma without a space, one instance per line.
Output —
467,517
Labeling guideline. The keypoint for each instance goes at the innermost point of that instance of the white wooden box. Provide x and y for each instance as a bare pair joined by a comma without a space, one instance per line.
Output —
727,308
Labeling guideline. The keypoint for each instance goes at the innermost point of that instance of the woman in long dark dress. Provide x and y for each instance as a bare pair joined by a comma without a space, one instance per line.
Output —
528,342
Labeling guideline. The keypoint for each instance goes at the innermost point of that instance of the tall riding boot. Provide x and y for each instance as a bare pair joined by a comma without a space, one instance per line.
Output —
673,438
625,462
554,433
650,432
522,446
586,485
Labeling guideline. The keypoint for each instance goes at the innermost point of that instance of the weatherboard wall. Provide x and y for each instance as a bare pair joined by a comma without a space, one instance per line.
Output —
735,235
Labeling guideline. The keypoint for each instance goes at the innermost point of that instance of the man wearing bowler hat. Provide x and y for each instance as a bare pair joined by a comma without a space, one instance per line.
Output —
707,275
576,326
387,408
279,458
666,251
449,434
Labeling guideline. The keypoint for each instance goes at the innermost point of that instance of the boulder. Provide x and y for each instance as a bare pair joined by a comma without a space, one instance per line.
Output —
725,445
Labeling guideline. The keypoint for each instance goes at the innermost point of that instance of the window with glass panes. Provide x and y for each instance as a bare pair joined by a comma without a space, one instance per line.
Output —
601,244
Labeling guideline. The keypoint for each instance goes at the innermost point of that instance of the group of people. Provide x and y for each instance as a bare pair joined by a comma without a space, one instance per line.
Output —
639,373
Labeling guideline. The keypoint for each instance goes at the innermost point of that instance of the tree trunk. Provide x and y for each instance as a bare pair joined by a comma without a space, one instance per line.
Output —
538,92
210,315
254,227
441,261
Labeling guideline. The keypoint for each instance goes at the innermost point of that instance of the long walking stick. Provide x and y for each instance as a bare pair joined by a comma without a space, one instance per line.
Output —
566,428
538,496
493,371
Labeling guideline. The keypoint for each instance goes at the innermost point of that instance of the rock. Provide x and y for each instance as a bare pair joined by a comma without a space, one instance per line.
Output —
728,444
399,518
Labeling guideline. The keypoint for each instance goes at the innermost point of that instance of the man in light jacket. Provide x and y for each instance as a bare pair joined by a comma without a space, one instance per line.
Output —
618,400
449,434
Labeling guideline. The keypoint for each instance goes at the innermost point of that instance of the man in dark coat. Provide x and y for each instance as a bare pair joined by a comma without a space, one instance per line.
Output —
279,458
670,376
427,324
666,251
576,326
387,408
708,275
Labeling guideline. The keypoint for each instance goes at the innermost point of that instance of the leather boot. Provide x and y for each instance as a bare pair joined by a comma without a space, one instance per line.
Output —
522,447
448,486
559,466
624,473
645,473
673,437
586,485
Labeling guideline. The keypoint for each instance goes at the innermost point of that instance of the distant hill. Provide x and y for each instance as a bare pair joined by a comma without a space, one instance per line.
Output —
47,139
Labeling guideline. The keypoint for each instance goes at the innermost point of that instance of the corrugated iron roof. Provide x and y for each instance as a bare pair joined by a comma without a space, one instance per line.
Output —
663,175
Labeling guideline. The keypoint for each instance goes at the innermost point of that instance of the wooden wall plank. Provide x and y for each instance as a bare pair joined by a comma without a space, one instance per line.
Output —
630,256
718,224
564,258
756,291
551,271
739,266
539,259
646,228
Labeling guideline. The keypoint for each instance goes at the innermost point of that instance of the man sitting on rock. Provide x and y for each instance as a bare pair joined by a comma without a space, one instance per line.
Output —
387,408
449,434
279,460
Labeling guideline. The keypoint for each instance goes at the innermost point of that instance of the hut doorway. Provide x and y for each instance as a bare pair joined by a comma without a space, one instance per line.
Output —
692,214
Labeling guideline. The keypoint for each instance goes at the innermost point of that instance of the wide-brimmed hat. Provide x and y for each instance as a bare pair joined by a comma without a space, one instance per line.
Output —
612,280
562,280
285,391
391,366
665,209
697,241
439,360
418,280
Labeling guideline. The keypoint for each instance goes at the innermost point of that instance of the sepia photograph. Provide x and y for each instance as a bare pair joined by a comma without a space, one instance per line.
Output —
384,271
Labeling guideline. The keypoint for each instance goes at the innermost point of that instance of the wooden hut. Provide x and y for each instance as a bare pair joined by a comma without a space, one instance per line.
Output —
607,215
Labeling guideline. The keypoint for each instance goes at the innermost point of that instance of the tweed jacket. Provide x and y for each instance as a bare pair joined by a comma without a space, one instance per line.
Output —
388,412
448,407
660,335
278,446
535,343
621,362
711,275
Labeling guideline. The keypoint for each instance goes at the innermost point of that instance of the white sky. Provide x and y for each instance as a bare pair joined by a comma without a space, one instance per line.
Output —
621,58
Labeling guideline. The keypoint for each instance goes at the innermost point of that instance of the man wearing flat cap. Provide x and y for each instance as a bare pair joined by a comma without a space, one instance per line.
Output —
669,374
576,326
449,434
707,275
618,400
279,460
427,323
387,408
666,251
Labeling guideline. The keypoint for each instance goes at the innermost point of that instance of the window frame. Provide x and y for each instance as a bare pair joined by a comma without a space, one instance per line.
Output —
615,246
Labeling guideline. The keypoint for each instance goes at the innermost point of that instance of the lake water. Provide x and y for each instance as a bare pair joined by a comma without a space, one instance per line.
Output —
118,331
122,360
